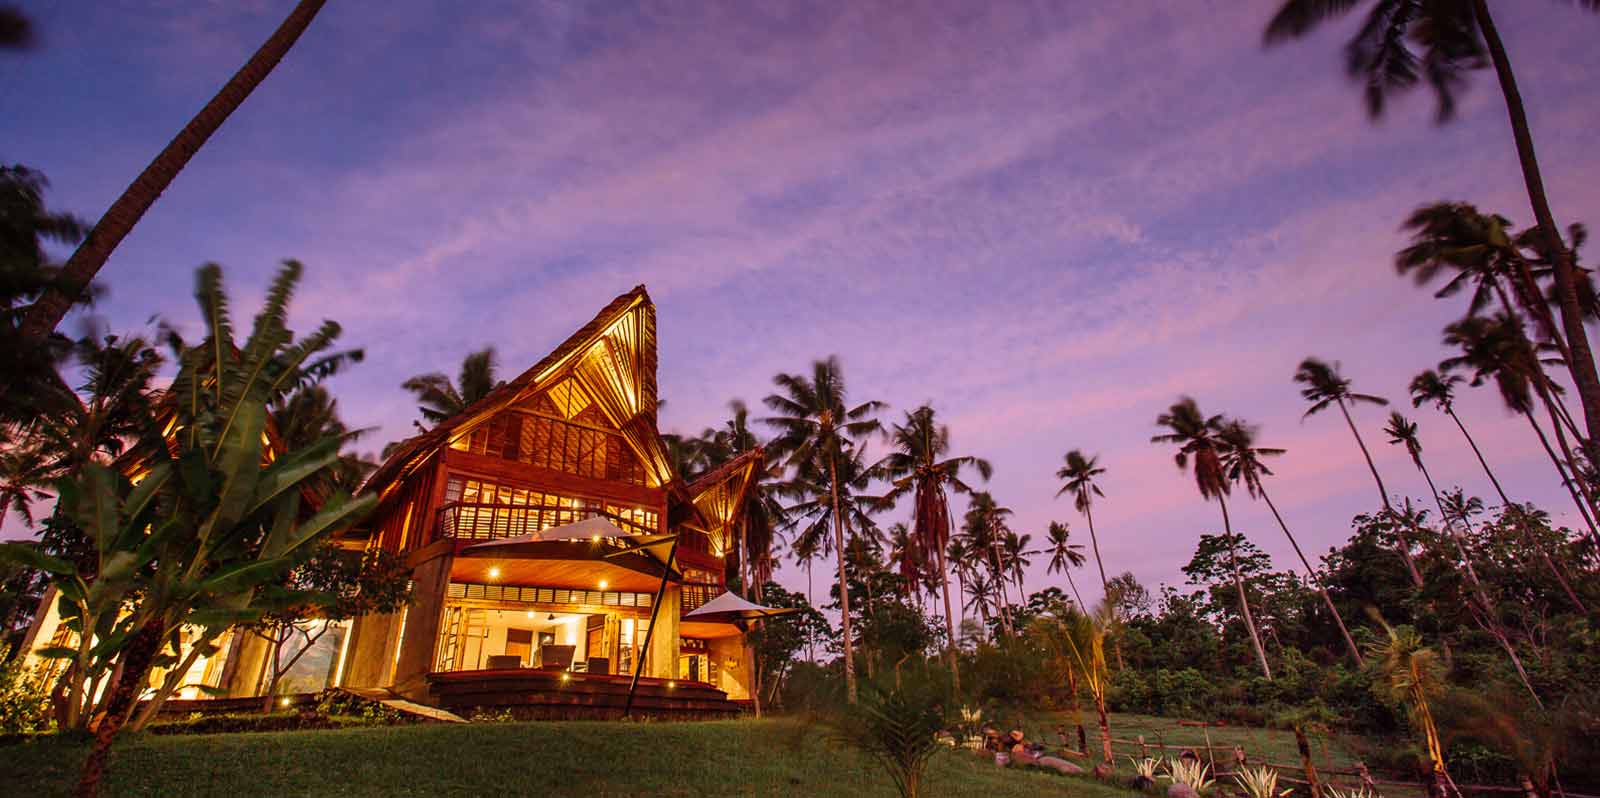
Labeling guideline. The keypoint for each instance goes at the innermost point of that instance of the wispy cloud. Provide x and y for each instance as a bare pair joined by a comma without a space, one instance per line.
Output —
1049,221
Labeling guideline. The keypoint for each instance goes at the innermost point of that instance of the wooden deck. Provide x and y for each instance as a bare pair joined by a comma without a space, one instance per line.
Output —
532,694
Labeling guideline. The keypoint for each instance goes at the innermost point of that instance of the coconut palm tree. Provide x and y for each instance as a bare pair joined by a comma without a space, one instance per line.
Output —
312,414
815,426
762,513
16,29
1017,554
86,262
1413,677
1244,463
1440,389
1078,477
1065,556
1496,349
1403,432
1456,236
1085,638
1454,36
921,466
439,399
1199,441
984,526
1325,387
27,229
959,558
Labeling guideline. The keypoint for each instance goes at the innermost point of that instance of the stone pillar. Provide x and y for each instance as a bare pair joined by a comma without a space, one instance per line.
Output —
42,631
419,631
371,650
247,664
735,679
664,639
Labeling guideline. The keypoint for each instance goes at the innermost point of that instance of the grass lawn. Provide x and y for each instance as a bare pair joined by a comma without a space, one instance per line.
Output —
1330,752
547,760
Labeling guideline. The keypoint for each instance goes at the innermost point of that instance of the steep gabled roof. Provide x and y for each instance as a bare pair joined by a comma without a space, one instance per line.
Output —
719,493
613,356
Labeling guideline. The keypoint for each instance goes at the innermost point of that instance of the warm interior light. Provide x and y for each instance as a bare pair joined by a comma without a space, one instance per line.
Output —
530,613
604,584
595,538
284,702
494,572
566,677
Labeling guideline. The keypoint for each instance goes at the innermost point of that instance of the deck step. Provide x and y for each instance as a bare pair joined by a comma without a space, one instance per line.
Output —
401,705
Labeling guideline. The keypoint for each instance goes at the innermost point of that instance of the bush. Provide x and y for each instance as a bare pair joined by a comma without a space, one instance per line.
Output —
897,726
233,723
24,698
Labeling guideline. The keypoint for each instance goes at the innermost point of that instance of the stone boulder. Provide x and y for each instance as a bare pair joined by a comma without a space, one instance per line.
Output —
1059,765
1181,790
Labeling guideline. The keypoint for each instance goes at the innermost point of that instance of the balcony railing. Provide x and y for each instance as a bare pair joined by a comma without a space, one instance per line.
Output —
486,521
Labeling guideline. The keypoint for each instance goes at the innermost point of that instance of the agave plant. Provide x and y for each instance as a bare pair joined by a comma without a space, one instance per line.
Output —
1260,782
1190,772
1358,792
1144,772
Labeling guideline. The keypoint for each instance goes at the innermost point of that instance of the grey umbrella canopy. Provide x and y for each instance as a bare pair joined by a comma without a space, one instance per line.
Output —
729,607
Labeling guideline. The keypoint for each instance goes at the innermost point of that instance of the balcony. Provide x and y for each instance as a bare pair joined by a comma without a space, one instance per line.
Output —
490,521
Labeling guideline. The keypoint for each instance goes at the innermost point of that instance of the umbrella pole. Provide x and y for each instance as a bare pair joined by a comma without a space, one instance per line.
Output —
755,667
655,609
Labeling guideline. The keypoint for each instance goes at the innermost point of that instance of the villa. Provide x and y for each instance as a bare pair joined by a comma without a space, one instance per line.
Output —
555,554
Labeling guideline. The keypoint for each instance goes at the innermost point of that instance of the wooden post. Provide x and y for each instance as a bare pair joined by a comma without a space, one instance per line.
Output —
655,609
1366,778
1304,745
1239,759
1205,728
1144,750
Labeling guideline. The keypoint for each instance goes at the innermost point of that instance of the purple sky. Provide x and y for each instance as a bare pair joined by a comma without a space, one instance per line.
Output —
1050,219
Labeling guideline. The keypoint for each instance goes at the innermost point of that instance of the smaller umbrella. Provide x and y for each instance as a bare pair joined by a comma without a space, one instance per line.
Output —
731,608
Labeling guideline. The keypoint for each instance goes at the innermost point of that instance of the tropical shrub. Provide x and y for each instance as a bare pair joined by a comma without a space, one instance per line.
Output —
24,698
195,519
898,726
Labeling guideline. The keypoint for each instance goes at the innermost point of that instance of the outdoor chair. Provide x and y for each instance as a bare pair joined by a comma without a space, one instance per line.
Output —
504,661
556,658
600,665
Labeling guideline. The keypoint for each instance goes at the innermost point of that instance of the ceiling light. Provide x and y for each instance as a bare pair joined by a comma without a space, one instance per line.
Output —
494,572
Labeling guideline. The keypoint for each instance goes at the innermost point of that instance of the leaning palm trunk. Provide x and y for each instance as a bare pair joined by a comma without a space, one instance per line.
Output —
1581,362
1074,585
1566,452
1561,470
1483,609
1438,777
949,624
1244,602
1002,601
1094,543
1349,642
844,584
1504,501
124,693
1544,556
120,218
1383,494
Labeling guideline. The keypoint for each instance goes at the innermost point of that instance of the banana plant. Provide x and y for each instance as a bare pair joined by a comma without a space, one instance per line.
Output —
203,515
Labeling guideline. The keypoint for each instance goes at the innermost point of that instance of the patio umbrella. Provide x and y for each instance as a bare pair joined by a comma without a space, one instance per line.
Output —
731,608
